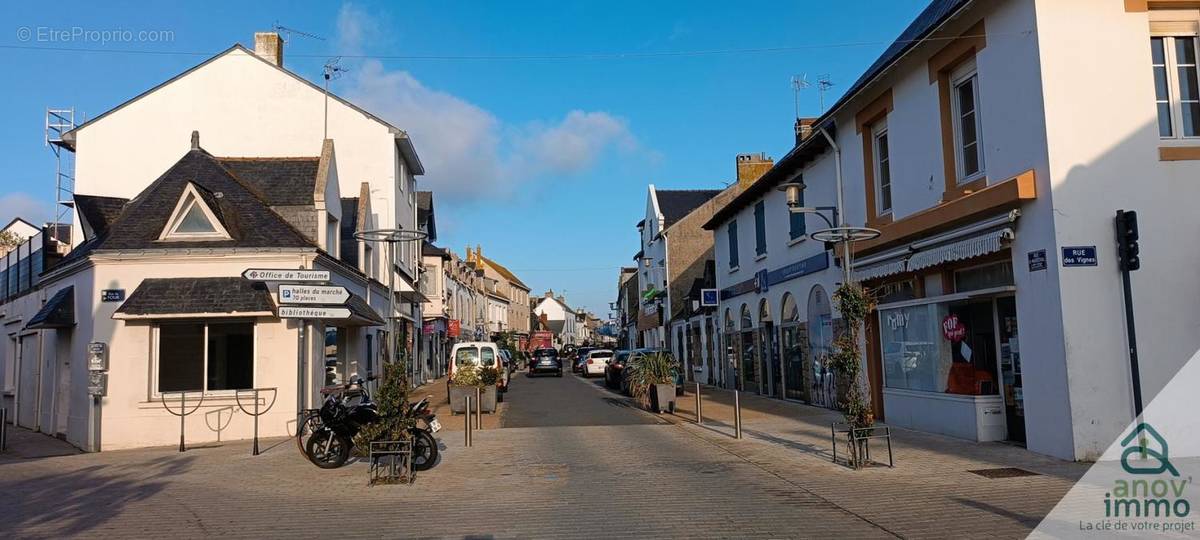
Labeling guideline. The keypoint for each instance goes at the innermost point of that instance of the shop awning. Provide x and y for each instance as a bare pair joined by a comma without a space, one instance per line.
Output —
988,236
975,246
361,313
58,312
159,298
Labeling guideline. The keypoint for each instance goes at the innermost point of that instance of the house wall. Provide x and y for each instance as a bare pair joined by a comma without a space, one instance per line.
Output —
243,107
654,248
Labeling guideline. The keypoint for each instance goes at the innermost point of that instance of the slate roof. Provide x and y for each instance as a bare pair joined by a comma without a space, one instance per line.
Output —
506,273
99,211
430,250
242,211
425,213
677,203
926,22
57,312
556,326
176,296
347,227
280,181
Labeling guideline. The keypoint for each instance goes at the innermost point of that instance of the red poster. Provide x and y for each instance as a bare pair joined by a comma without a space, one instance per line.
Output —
427,328
454,328
953,328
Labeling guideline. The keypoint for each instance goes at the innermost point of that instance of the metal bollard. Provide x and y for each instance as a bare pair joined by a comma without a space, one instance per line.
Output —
3,430
467,418
699,418
478,408
737,415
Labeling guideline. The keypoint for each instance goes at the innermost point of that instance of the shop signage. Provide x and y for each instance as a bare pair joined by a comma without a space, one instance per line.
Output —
953,329
284,274
313,294
427,328
454,328
1079,256
760,281
97,356
301,312
112,295
1037,260
764,279
898,319
709,297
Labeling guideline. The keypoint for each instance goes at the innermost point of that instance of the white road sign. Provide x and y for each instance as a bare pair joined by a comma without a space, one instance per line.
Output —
284,274
302,312
313,294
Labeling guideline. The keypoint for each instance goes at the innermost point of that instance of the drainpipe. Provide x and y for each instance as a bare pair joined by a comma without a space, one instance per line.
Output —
837,162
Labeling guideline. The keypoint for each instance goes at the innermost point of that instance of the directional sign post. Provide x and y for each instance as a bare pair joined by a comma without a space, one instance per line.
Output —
313,294
304,312
285,274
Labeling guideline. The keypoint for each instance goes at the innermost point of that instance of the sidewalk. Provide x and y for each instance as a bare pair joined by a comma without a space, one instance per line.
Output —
439,403
931,490
27,444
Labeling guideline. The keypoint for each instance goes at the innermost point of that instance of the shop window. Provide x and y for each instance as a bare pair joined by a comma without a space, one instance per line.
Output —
988,276
896,291
209,357
947,347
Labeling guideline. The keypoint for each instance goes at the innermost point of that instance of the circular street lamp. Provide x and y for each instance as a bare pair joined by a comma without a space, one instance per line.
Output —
391,237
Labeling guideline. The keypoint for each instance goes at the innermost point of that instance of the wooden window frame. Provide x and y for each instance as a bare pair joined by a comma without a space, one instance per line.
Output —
864,122
942,65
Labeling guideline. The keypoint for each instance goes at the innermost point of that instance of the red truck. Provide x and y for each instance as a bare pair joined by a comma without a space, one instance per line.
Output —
541,339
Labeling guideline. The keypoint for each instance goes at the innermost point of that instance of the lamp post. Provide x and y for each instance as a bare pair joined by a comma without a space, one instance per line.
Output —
391,237
838,231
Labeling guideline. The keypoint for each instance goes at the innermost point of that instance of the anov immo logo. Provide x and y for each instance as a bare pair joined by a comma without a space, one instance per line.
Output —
1152,486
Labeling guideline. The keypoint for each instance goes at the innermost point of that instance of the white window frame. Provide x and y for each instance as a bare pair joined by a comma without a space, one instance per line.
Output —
963,73
879,131
189,199
1169,32
156,338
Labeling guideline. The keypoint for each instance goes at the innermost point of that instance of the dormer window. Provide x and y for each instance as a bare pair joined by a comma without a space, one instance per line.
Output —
193,219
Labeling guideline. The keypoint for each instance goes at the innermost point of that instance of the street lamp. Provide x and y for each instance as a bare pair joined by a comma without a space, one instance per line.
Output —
842,234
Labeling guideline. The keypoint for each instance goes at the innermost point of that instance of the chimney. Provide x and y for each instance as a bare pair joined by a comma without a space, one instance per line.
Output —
751,167
269,46
550,293
195,140
804,129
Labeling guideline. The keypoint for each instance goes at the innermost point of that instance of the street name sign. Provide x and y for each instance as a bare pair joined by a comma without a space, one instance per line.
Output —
313,294
1079,256
305,312
285,274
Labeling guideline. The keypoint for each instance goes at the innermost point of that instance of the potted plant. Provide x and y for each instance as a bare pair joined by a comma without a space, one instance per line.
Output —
462,386
652,379
488,377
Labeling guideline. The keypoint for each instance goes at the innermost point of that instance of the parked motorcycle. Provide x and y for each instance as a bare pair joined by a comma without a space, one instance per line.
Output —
346,410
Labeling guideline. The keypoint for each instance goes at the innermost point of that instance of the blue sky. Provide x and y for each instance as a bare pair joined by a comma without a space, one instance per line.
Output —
543,162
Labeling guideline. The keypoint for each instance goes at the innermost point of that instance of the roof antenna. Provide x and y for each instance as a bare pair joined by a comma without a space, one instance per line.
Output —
823,85
331,70
279,28
798,84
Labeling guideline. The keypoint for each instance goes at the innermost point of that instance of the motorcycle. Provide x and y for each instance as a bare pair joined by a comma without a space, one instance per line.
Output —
346,409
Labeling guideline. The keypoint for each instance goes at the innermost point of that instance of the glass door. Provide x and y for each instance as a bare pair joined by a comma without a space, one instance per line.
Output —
1010,367
793,359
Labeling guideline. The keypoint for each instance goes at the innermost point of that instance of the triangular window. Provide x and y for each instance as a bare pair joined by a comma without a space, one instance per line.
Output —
193,220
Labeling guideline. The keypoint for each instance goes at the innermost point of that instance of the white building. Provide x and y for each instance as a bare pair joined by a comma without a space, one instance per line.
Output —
561,318
993,155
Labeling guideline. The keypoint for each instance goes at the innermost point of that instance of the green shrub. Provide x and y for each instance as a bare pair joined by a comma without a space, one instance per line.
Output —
488,377
649,369
467,376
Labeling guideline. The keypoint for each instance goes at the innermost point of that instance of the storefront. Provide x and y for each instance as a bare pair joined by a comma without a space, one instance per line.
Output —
946,339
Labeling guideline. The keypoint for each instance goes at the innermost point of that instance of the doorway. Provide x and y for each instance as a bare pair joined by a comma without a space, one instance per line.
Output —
1010,367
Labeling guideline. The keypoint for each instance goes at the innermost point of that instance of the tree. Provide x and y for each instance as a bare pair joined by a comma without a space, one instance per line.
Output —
392,400
8,241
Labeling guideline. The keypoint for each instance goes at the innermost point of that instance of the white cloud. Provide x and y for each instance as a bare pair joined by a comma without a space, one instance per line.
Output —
24,206
468,153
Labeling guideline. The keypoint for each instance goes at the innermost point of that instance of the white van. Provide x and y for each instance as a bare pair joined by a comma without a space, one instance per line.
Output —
481,354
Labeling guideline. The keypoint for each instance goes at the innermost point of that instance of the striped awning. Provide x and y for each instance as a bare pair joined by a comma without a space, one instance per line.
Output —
968,248
879,270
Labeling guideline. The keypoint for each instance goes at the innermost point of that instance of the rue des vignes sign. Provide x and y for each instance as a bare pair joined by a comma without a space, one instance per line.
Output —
313,294
285,274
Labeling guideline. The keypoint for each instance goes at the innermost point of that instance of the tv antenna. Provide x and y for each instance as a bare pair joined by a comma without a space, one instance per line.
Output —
281,29
331,70
824,83
798,84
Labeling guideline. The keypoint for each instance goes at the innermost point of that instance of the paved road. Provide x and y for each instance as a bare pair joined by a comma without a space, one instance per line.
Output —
546,401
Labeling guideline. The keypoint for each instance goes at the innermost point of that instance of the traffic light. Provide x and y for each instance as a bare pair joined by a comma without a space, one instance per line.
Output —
1127,240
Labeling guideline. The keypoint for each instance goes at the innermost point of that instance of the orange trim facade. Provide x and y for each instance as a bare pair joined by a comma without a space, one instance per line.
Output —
965,47
1178,153
1137,6
863,121
999,196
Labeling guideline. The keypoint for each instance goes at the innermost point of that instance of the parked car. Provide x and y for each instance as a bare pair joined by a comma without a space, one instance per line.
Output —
595,362
481,354
577,358
614,367
545,361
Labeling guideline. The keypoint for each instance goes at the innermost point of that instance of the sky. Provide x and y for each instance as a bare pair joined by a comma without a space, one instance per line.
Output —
540,123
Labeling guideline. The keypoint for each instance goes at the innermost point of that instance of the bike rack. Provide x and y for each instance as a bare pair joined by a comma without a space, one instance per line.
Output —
183,412
237,396
391,463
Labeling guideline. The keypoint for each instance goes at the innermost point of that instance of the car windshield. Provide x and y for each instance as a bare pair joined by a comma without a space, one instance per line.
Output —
621,357
467,356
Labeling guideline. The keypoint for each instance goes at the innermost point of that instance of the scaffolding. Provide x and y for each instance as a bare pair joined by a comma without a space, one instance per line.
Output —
58,123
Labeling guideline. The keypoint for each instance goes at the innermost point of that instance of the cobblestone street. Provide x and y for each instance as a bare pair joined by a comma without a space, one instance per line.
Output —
634,480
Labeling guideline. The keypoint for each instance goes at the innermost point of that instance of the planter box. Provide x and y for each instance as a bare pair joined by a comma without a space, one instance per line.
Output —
662,398
459,395
488,399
